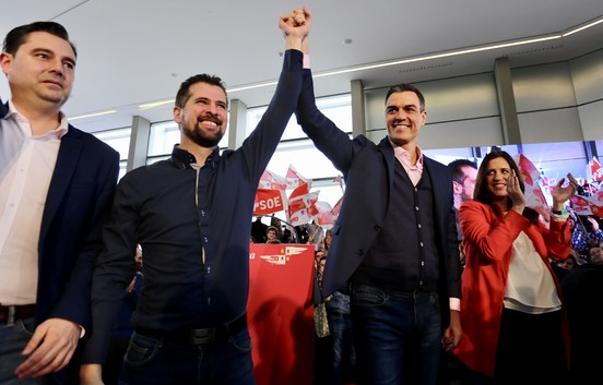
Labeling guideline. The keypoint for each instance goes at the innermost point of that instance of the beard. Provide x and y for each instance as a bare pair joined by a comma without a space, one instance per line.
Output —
202,138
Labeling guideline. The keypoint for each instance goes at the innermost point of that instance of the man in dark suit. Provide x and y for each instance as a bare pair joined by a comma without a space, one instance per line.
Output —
56,183
395,244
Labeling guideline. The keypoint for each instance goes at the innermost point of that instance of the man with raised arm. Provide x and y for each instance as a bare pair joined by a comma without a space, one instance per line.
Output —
191,215
394,245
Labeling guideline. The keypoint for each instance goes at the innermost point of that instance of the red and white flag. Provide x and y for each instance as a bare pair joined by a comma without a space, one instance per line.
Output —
294,179
300,190
527,169
596,203
268,201
595,170
580,205
272,181
327,215
534,196
302,209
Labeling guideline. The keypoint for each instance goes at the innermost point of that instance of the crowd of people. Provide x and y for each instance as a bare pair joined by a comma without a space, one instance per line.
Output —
429,267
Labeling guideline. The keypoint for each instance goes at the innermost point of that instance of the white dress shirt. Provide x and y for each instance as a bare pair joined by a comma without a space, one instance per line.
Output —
26,166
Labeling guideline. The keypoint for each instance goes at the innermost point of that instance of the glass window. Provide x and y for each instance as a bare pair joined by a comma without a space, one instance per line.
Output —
122,168
329,193
118,139
337,108
162,138
306,159
599,144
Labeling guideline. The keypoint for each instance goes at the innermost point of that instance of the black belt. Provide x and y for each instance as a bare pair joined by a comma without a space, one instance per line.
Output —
198,336
395,294
10,314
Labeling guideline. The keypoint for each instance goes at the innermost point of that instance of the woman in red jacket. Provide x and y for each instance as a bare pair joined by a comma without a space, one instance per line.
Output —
511,307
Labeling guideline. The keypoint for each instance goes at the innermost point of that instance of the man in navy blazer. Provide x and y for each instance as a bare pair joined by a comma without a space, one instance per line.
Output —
394,244
56,184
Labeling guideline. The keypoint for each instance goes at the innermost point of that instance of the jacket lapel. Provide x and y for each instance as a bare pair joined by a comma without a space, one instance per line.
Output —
388,154
67,159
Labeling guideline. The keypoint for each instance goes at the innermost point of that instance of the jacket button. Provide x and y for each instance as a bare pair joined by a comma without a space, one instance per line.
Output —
360,252
377,228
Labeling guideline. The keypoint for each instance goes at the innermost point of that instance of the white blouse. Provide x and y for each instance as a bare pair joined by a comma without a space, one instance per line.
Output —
530,286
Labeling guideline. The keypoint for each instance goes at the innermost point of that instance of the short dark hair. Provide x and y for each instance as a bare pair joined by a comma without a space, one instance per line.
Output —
18,35
183,92
481,192
456,168
404,88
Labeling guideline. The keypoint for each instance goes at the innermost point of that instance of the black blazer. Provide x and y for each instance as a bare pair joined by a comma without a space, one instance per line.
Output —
79,196
368,170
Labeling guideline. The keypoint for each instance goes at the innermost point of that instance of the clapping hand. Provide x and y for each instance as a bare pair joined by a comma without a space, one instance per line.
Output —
561,194
515,193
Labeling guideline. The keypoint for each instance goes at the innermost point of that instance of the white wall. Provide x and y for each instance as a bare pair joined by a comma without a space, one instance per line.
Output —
555,102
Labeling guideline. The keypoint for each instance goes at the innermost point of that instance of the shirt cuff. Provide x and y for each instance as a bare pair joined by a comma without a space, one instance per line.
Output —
306,61
455,304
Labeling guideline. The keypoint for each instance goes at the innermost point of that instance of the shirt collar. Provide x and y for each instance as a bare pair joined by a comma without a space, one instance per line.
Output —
184,159
60,131
401,153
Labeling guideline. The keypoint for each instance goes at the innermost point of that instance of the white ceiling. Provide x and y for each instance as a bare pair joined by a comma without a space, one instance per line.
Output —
137,51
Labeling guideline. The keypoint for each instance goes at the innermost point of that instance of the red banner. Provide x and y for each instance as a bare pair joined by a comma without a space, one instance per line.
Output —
268,202
280,313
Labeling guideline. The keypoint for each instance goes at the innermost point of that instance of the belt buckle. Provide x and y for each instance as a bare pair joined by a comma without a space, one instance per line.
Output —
202,336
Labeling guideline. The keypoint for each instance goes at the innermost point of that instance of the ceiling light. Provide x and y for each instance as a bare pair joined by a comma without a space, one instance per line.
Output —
109,112
436,56
578,29
147,106
426,57
159,103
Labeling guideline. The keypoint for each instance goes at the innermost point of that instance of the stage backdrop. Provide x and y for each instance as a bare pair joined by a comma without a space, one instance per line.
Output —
280,313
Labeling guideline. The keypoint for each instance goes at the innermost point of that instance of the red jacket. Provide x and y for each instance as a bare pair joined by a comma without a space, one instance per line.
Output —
488,238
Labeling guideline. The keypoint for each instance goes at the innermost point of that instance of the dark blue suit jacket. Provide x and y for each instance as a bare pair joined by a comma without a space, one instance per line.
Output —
79,197
368,170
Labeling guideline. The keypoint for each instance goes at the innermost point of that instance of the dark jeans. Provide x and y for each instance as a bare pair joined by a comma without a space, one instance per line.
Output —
13,339
397,336
161,361
342,363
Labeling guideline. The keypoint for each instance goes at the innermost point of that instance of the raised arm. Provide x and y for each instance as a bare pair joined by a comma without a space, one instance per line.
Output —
327,137
258,148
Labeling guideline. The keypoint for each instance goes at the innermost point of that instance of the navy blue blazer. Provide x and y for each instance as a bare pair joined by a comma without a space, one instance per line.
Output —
78,200
368,170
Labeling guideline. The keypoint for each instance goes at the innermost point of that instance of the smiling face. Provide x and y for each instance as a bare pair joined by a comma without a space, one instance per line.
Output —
404,117
203,117
41,71
498,173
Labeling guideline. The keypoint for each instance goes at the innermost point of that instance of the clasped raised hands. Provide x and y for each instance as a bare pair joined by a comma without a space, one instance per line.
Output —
296,26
